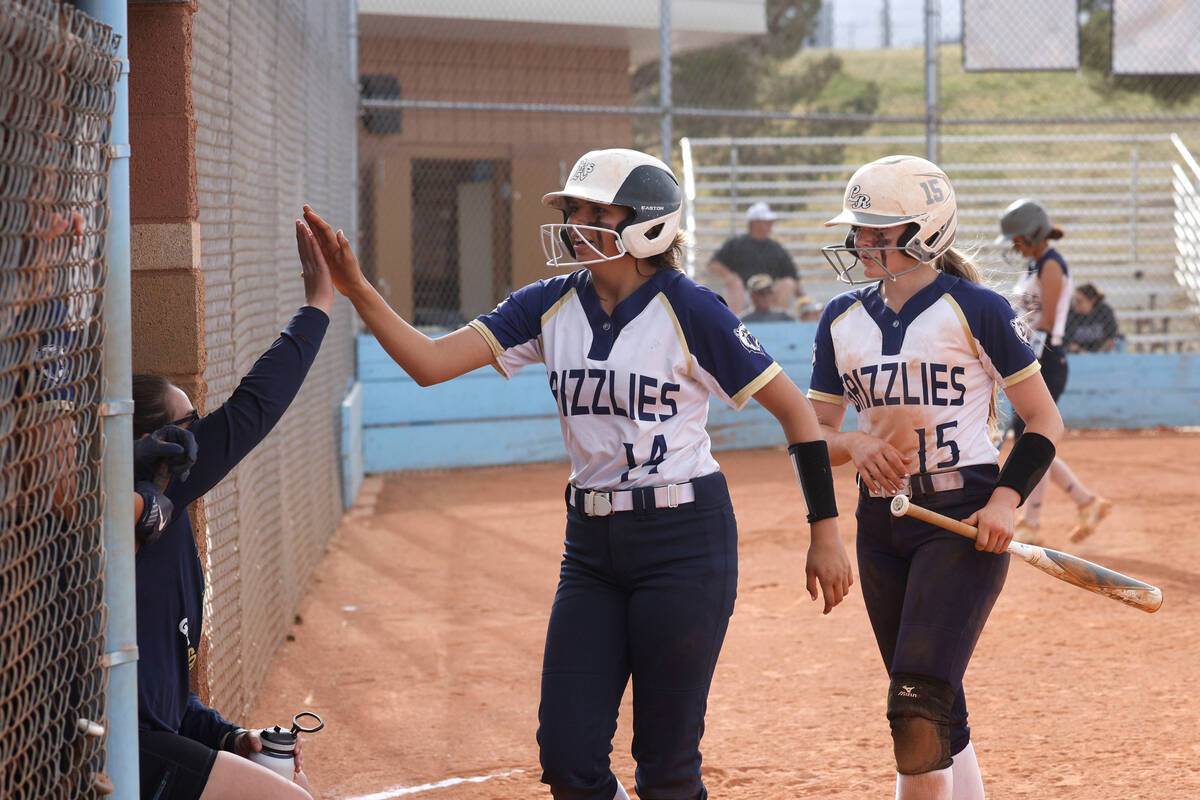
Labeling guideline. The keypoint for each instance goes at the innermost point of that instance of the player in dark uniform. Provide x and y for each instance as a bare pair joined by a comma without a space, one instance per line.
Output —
920,352
185,747
633,349
1043,294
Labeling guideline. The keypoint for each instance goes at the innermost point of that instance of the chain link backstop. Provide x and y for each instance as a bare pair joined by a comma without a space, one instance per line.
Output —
57,78
472,109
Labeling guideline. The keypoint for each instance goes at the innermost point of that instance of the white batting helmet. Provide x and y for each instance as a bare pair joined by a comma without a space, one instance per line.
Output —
896,190
628,178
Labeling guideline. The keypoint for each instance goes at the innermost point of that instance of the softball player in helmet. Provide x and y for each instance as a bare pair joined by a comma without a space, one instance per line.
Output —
920,350
633,349
1043,295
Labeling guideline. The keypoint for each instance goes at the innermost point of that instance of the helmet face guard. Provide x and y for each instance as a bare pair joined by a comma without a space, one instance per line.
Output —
846,256
566,245
896,190
633,180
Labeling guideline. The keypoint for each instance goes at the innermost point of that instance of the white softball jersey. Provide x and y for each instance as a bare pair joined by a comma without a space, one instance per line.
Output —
632,389
1027,295
922,379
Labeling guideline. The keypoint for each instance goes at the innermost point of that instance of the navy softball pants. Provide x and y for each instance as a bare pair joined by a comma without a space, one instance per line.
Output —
928,591
1054,373
649,595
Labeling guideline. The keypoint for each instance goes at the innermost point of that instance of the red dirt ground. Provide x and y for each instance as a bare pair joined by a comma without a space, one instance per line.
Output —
422,636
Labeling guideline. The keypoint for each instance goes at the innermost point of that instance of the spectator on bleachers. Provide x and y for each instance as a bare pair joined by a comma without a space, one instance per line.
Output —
806,309
752,253
762,297
1091,323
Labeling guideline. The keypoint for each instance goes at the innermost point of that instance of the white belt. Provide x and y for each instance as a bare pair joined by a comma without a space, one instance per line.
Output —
926,483
601,504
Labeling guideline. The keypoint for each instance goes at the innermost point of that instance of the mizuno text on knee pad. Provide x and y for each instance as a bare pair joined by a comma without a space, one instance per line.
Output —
918,709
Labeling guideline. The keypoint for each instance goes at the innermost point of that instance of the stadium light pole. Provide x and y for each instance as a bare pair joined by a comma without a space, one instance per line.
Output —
664,77
931,78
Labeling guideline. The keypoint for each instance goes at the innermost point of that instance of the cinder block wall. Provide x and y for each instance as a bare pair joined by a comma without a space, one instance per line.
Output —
227,142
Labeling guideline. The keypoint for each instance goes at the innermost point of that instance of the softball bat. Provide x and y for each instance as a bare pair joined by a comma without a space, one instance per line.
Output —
1064,566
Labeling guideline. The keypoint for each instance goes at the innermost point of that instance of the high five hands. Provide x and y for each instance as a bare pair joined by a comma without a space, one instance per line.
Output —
325,252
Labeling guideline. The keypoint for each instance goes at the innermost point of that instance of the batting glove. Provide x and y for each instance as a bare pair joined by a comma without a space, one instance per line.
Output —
156,513
170,450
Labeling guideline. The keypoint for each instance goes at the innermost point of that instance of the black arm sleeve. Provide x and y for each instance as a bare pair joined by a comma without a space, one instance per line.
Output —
226,435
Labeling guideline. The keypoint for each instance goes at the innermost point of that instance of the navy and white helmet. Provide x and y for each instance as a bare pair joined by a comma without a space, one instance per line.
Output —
1027,219
893,191
628,178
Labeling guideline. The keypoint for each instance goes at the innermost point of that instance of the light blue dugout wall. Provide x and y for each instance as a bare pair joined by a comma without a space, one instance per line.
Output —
482,419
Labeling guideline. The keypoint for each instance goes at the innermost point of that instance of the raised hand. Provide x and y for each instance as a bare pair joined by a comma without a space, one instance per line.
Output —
318,286
339,256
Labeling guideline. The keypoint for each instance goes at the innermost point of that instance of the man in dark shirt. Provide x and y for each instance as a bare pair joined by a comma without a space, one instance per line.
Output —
752,253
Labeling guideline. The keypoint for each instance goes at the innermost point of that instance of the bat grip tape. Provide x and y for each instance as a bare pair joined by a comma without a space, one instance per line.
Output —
810,460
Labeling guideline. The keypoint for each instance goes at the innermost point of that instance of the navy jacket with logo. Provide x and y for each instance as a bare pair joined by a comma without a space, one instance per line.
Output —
170,578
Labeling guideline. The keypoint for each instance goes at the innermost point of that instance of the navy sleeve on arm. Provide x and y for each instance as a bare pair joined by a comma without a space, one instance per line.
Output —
826,382
518,318
225,436
721,345
203,724
994,323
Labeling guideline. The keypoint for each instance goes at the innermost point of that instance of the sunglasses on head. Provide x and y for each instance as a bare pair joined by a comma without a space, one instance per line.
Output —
187,419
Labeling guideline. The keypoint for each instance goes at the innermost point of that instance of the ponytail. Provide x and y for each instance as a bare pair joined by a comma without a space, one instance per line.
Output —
956,263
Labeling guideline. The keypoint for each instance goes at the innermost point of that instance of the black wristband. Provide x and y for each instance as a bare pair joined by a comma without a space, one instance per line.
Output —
229,740
811,462
1031,456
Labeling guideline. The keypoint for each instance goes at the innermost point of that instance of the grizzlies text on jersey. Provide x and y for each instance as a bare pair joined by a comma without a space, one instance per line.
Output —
922,379
631,388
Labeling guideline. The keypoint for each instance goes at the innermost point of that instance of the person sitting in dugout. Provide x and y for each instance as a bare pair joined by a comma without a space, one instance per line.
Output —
186,749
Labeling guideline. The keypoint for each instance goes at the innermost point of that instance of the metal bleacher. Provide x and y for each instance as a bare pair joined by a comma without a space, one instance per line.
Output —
1128,204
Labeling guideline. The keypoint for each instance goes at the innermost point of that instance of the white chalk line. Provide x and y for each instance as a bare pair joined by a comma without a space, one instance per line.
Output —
400,791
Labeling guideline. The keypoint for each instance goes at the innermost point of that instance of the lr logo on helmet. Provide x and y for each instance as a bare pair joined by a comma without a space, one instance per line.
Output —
583,170
857,199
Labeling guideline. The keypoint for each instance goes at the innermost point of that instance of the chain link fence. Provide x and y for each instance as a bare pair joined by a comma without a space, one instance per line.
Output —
57,78
275,112
1117,209
471,111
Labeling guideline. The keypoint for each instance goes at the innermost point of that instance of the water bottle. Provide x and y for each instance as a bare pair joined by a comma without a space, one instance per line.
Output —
279,745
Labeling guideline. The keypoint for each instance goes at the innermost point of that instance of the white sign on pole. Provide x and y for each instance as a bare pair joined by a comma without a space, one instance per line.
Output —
1020,35
1156,37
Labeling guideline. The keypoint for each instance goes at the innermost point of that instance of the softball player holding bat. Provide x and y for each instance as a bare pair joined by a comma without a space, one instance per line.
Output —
1043,295
920,352
633,349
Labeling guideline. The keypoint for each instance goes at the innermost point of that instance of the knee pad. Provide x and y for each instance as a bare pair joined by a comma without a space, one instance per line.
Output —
918,709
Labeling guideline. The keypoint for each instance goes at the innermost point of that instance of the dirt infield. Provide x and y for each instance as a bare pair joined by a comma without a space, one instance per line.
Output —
421,643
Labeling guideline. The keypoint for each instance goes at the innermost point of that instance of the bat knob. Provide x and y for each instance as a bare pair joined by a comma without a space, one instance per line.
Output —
899,505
